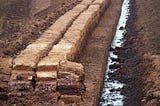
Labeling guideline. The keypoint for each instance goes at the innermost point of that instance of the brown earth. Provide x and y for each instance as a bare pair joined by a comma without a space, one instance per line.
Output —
140,55
148,36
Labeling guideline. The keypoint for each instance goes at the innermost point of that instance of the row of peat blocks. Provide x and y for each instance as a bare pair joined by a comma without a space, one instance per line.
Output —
44,72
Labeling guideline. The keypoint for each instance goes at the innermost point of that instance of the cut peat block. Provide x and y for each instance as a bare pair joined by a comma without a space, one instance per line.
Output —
70,78
46,75
70,98
87,2
21,86
70,87
46,91
46,86
22,80
72,68
29,58
51,62
22,75
45,98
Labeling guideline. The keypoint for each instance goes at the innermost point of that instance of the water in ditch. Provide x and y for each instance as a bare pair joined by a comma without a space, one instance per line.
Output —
111,94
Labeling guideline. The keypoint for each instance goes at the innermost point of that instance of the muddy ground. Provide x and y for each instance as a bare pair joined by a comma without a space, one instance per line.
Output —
140,55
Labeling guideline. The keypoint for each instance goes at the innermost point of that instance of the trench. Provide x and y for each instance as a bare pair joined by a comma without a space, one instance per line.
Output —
111,93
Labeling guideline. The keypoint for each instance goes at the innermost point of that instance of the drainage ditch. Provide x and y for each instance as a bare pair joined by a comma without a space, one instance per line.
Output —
111,93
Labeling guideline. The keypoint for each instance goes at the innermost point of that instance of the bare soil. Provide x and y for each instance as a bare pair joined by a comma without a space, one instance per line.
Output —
139,56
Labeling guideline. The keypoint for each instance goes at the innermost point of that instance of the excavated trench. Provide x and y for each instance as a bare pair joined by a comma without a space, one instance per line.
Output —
111,93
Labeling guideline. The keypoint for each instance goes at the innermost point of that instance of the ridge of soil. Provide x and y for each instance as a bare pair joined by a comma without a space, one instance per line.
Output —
139,56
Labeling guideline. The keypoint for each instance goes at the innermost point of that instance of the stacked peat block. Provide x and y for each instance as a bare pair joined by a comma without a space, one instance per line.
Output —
21,86
70,75
87,2
43,71
24,76
70,81
102,3
76,34
80,28
46,87
47,67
